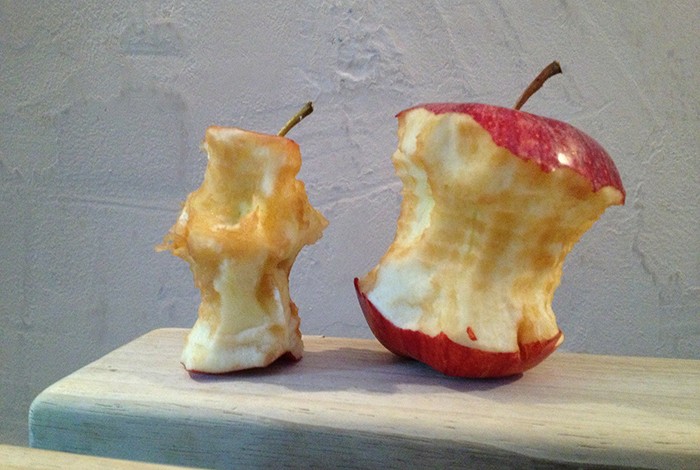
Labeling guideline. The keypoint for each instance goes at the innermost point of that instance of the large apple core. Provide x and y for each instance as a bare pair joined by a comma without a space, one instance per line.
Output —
480,241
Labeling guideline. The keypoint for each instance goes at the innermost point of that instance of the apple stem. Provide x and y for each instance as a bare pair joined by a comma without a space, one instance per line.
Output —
303,112
549,71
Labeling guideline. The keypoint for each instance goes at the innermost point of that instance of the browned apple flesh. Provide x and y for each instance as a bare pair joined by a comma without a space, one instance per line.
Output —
241,232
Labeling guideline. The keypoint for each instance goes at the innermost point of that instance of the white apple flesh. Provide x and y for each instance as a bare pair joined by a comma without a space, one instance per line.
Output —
493,201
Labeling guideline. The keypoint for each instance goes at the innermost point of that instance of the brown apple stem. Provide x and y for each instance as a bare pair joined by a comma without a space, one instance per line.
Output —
549,71
303,112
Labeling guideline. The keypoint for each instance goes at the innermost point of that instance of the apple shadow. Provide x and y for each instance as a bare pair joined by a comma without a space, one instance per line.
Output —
363,372
348,368
379,372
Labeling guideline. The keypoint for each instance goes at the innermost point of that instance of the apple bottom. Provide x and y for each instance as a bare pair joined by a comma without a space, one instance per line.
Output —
448,357
287,357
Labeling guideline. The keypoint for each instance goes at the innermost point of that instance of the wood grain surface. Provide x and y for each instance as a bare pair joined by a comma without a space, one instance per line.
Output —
351,404
25,458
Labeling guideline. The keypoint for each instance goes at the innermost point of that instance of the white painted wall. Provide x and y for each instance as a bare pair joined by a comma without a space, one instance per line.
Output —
103,106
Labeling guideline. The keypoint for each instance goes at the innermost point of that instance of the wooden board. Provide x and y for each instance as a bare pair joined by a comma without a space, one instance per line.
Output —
25,458
351,404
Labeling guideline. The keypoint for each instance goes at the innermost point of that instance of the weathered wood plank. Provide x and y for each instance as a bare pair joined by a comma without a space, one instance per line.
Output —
25,458
350,403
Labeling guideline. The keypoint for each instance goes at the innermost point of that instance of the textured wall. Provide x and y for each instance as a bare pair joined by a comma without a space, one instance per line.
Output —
104,105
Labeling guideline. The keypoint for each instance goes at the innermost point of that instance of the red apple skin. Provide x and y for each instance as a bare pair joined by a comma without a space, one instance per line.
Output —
448,357
550,143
